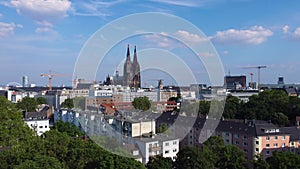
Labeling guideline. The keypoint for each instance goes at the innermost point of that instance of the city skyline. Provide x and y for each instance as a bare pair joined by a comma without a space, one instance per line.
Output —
48,35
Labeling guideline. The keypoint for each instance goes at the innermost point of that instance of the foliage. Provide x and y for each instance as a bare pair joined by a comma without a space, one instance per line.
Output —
27,104
204,107
232,157
68,103
193,157
162,128
55,149
68,128
283,160
41,100
280,119
159,162
260,163
232,106
141,103
79,102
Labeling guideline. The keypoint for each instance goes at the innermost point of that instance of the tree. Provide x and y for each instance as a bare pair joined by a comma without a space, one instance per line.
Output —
162,128
68,128
232,157
141,103
280,119
283,160
260,163
68,103
204,107
79,102
41,100
193,157
159,162
216,145
232,107
27,104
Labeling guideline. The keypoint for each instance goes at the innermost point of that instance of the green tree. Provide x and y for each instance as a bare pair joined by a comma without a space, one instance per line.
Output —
68,128
204,107
232,107
260,163
193,157
232,157
283,160
141,103
41,100
68,103
216,145
162,128
12,127
280,119
27,104
79,102
159,162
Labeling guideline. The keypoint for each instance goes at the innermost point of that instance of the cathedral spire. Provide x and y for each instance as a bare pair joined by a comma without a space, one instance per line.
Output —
128,52
135,56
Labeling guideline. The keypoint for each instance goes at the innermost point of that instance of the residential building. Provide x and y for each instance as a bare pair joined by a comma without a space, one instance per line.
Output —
37,121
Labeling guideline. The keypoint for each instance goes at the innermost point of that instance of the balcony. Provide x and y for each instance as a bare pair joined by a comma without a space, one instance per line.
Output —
154,148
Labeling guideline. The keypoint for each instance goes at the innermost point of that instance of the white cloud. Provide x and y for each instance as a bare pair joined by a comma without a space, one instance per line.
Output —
206,54
8,28
189,37
42,11
1,15
293,35
185,3
94,8
285,29
253,36
160,40
225,52
42,29
296,33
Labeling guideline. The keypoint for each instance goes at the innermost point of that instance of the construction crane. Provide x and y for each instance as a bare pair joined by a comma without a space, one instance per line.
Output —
258,73
50,75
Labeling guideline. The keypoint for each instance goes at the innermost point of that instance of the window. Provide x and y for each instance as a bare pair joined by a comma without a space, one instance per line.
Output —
245,150
166,144
167,151
245,144
227,134
283,144
175,150
257,149
245,137
191,136
174,142
267,138
257,142
237,143
275,145
276,137
283,137
40,127
267,145
267,152
236,135
45,126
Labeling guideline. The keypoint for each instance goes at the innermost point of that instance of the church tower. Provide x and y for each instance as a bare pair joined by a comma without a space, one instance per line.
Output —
136,71
128,74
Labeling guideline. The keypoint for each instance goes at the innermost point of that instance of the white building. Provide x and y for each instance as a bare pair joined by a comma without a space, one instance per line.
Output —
37,121
40,126
160,144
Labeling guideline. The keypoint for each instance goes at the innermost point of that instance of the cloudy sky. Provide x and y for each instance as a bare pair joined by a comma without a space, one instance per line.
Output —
39,35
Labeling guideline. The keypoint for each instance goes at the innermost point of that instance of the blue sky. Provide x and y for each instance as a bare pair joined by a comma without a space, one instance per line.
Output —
39,35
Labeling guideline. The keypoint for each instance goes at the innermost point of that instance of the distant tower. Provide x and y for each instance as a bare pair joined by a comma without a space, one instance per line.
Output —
128,74
136,71
25,81
280,80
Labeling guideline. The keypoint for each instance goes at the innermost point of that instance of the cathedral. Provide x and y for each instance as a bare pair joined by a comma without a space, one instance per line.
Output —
131,73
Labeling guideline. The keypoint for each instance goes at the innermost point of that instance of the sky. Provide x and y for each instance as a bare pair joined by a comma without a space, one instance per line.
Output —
41,35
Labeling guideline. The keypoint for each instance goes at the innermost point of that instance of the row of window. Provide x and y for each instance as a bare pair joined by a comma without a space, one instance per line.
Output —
167,143
168,151
275,138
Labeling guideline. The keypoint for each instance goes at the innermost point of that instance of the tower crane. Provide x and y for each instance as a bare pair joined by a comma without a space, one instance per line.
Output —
258,73
51,75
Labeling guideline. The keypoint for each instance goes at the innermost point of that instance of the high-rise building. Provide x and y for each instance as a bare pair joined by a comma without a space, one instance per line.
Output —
25,81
